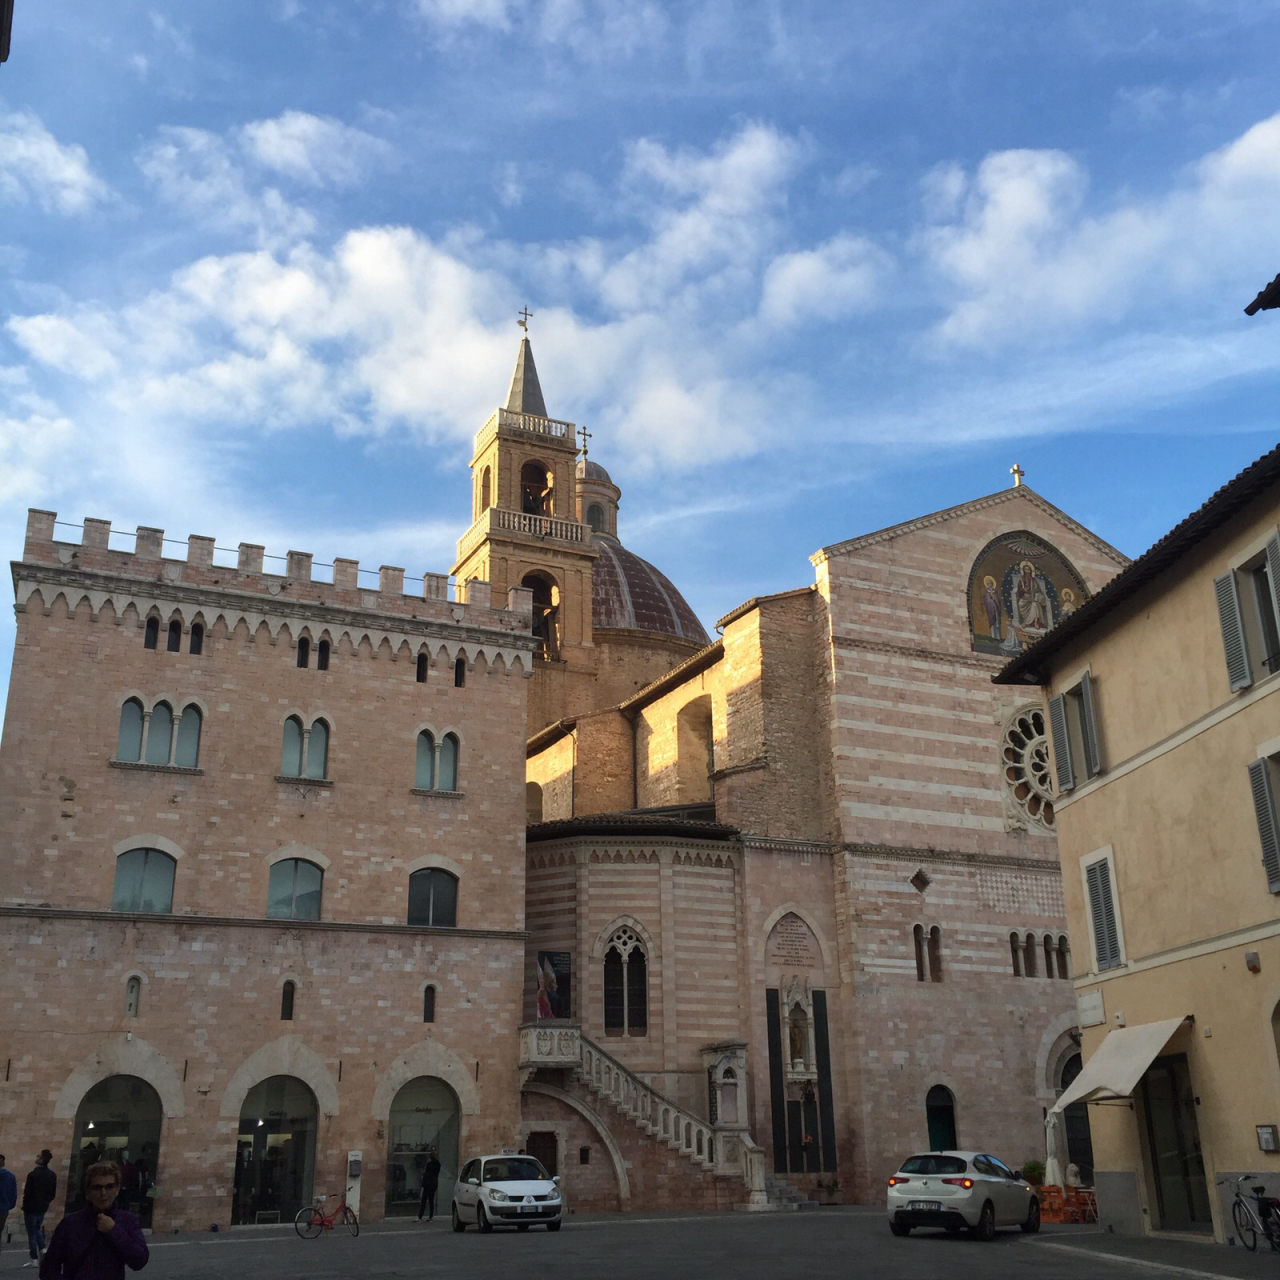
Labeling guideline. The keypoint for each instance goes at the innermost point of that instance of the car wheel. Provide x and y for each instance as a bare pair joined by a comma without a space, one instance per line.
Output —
482,1219
458,1224
1032,1224
899,1228
986,1225
554,1225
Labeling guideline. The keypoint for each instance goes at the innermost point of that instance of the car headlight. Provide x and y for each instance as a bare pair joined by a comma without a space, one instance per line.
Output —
498,1195
553,1195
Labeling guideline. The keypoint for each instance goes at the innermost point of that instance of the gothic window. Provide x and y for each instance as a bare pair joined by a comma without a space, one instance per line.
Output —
186,752
1024,756
151,636
595,517
1015,950
322,656
291,752
922,961
129,741
287,993
144,882
433,899
317,762
159,733
293,890
132,996
1049,956
426,772
626,986
422,668
175,636
460,673
1064,958
1029,956
448,780
304,651
935,954
428,1004
197,639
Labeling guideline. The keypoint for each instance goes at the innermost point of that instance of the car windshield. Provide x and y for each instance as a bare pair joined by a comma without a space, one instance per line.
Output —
933,1164
523,1169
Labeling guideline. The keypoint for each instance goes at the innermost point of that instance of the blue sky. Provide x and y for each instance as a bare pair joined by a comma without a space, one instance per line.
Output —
805,269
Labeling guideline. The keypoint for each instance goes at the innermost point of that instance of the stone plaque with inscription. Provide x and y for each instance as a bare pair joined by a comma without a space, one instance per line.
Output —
792,945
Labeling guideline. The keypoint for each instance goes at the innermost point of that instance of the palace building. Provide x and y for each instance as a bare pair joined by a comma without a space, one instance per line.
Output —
305,875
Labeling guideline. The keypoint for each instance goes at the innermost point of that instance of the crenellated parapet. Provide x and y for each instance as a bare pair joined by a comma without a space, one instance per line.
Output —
144,582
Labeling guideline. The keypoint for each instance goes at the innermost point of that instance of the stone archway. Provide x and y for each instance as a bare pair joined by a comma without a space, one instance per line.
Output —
275,1151
424,1118
118,1119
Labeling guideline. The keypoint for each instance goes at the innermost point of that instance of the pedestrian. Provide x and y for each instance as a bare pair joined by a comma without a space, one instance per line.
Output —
430,1185
100,1240
37,1195
8,1196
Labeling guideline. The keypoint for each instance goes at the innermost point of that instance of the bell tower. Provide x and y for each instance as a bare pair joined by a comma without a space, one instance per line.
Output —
526,531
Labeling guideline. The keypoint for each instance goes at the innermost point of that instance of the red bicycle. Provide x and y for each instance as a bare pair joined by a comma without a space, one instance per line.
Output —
312,1219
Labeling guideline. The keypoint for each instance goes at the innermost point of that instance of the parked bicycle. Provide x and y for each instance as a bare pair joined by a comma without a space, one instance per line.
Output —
1250,1221
312,1219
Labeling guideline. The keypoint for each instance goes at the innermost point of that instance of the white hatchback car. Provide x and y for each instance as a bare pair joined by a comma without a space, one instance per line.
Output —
506,1189
956,1190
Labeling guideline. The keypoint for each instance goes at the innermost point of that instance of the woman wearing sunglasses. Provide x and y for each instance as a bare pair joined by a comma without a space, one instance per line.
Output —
100,1240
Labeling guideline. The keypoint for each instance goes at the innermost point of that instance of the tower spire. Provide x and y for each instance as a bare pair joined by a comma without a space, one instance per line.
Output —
525,395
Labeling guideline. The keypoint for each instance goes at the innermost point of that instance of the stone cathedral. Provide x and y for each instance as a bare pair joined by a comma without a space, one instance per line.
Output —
309,870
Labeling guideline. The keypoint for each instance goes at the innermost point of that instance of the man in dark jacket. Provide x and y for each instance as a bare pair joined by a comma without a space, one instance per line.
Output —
8,1196
37,1195
430,1186
100,1240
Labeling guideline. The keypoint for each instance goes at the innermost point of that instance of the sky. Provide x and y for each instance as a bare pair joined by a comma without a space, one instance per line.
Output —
804,269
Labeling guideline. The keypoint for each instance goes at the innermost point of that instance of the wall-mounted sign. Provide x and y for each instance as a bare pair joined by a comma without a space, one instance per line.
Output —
1268,1137
1092,1014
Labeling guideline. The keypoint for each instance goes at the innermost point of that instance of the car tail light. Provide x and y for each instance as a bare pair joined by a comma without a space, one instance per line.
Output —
894,1181
966,1183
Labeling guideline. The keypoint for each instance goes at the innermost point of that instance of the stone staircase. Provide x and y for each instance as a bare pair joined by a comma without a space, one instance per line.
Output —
784,1198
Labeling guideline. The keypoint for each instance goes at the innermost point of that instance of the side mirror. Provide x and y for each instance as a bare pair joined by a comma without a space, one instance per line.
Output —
1019,1176
556,1179
475,1182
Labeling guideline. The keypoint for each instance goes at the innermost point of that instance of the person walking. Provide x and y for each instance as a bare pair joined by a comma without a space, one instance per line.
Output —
100,1240
8,1196
430,1185
37,1195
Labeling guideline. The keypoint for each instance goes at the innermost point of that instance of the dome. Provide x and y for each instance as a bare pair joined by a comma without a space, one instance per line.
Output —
588,470
628,593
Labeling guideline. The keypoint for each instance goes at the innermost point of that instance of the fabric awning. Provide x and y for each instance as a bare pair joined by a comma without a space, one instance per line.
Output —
1119,1063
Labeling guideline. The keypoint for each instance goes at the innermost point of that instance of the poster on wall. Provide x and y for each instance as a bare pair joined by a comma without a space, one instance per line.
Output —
555,983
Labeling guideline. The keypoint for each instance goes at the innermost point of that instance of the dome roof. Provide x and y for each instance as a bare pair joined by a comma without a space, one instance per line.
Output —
588,470
629,593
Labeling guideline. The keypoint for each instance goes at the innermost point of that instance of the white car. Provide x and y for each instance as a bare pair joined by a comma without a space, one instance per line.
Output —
956,1190
507,1189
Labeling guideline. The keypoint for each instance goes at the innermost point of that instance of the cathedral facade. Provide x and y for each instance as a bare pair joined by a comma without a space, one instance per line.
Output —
534,862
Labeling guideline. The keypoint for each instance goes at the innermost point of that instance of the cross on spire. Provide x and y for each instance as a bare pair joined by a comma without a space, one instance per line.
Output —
1017,473
586,435
525,316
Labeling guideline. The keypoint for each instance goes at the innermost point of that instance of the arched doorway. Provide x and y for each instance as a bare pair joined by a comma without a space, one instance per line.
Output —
424,1117
118,1119
940,1110
276,1151
1075,1120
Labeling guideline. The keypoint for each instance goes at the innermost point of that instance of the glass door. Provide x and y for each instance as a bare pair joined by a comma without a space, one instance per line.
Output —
1173,1145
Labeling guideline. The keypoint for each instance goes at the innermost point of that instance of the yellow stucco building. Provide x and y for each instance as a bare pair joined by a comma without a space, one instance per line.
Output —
1164,710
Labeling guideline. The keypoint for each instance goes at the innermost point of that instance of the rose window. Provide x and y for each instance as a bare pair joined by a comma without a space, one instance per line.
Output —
1025,756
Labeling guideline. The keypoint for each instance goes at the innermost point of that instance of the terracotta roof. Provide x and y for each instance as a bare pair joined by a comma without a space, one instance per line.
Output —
525,395
1029,666
628,593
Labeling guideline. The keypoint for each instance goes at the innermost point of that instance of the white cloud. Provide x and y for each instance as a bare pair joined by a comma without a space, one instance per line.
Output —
313,149
457,13
35,166
825,283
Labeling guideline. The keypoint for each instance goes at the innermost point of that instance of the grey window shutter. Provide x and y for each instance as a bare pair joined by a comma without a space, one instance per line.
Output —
1061,745
1092,749
1102,909
1273,577
1233,641
1264,806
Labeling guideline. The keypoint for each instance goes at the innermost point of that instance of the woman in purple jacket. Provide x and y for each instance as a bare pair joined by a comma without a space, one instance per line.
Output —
100,1240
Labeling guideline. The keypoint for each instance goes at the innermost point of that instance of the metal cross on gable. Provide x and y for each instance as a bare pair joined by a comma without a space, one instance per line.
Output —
586,435
1017,473
525,316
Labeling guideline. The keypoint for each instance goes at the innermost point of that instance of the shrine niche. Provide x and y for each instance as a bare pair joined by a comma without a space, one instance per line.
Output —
1019,588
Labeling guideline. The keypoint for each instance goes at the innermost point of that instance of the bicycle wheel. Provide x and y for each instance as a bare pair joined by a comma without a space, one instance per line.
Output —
349,1217
1245,1229
309,1223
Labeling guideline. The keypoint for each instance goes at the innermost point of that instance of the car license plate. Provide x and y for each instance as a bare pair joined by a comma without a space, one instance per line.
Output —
528,1208
924,1205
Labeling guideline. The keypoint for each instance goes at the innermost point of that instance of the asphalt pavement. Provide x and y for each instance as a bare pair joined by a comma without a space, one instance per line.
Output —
728,1246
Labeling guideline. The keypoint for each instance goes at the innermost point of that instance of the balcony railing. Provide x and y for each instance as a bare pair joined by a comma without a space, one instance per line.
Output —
527,424
500,520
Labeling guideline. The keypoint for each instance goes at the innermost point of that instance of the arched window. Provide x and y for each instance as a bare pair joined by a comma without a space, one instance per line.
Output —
626,986
1064,958
1015,949
291,753
197,639
129,740
151,636
426,773
460,673
132,996
433,899
318,750
532,802
287,993
546,613
922,963
160,734
293,890
935,954
1029,956
595,517
186,754
695,748
322,656
1049,956
536,498
144,882
304,652
448,763
421,674
175,636
940,1113
486,491
428,1004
